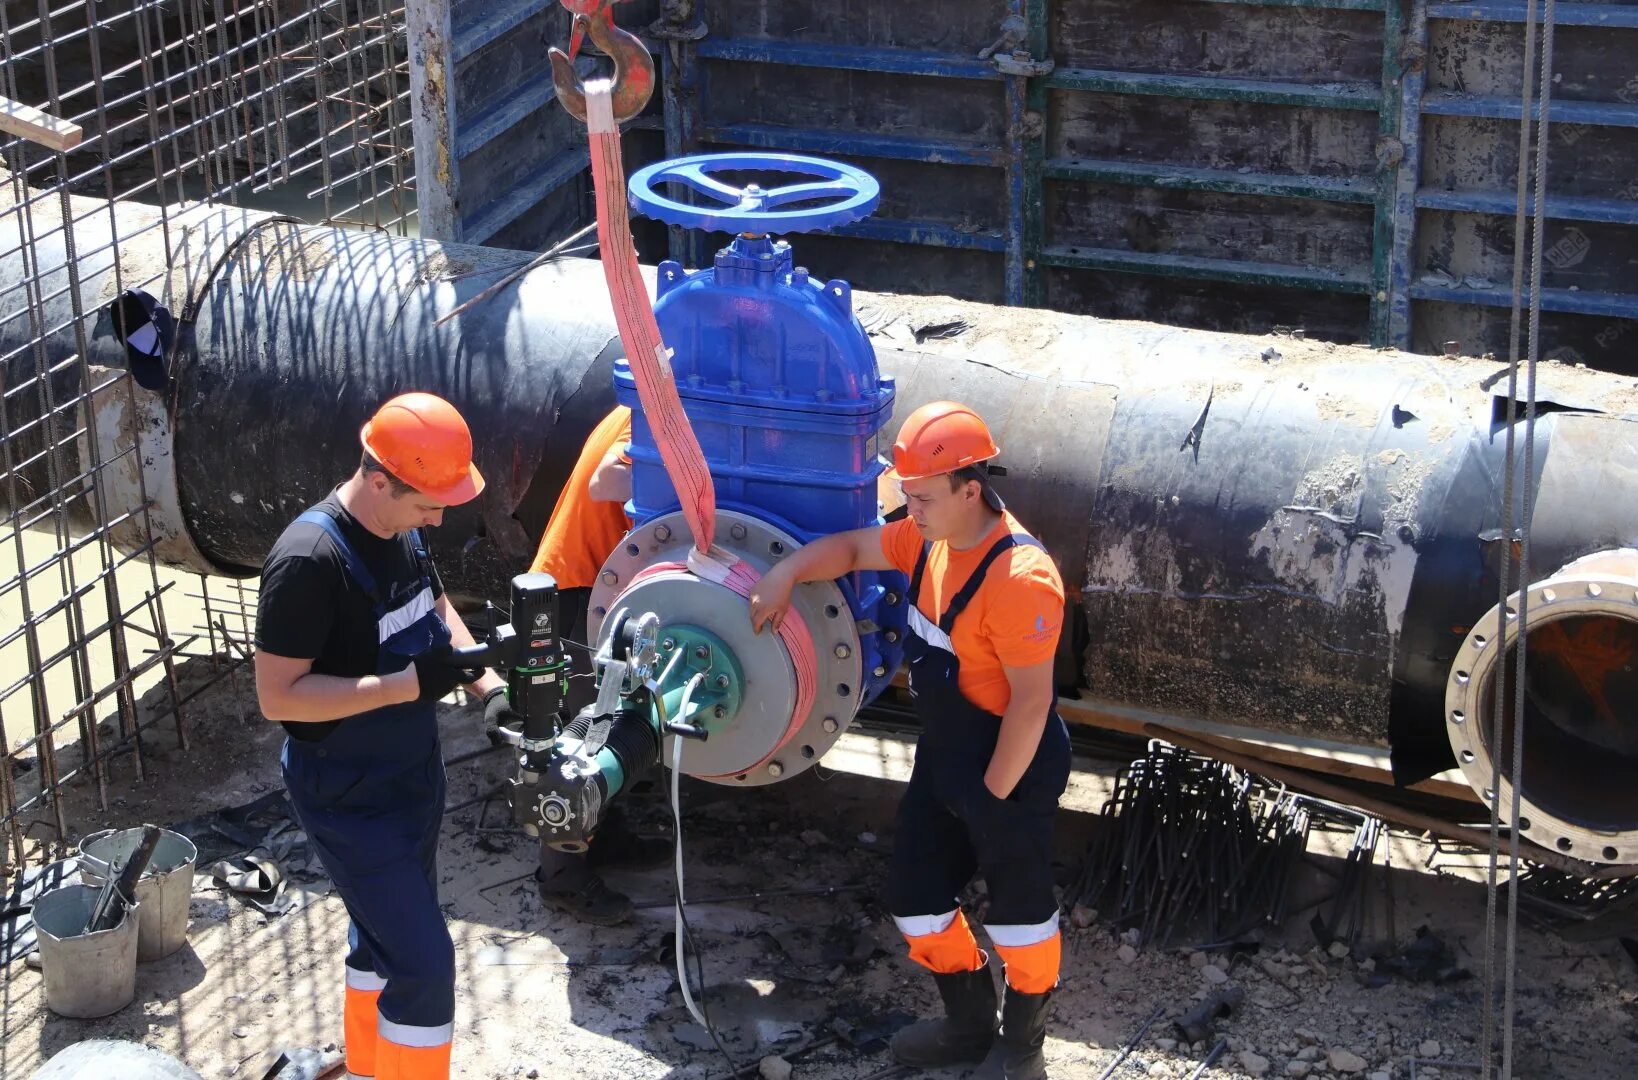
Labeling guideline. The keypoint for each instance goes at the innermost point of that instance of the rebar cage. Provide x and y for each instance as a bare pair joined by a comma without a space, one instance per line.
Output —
300,108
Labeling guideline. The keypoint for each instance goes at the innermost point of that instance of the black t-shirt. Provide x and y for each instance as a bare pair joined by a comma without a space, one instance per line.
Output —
310,607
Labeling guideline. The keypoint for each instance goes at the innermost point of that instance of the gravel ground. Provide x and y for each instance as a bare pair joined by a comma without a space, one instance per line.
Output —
539,993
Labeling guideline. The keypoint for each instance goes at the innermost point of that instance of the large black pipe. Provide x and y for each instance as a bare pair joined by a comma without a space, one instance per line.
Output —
1276,535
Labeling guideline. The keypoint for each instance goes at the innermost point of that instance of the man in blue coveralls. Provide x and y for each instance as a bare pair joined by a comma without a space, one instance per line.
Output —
354,639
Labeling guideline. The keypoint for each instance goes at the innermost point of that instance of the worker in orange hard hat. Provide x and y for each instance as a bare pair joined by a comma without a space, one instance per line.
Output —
987,606
587,523
354,646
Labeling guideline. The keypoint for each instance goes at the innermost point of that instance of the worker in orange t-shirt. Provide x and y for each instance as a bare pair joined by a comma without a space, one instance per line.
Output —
987,606
587,524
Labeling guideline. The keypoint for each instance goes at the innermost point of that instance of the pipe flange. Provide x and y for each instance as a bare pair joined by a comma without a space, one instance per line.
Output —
765,756
1601,586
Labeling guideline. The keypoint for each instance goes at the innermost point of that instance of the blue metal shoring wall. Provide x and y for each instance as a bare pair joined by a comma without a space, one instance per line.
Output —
1003,155
1338,165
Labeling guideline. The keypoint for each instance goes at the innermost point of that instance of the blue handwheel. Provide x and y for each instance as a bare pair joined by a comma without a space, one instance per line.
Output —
842,193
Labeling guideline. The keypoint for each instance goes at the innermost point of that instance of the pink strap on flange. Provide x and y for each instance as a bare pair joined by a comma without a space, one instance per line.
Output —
740,577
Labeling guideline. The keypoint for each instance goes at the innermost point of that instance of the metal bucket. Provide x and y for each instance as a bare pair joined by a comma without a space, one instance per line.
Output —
86,975
162,893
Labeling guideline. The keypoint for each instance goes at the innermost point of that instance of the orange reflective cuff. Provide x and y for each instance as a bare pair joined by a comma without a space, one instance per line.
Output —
397,1062
1033,969
948,952
358,1026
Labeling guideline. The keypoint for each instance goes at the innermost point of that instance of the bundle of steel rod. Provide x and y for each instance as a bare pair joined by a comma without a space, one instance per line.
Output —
1580,908
1346,917
1192,846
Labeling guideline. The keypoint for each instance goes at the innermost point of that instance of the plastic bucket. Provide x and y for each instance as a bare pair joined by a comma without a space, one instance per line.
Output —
162,893
86,975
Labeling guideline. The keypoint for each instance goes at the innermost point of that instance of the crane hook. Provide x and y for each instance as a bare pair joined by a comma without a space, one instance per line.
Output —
633,66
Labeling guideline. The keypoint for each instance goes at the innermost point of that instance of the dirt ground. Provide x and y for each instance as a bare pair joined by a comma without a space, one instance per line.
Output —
539,994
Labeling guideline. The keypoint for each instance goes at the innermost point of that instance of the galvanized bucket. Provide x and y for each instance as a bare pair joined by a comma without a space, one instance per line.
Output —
163,892
86,975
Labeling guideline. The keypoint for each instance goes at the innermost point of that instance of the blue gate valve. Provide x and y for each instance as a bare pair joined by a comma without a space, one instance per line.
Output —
786,398
845,194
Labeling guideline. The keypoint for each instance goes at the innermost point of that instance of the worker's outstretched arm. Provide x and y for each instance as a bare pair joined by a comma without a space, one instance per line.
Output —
287,690
826,559
1033,695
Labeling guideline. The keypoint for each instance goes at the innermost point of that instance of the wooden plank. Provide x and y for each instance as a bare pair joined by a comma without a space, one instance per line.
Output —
27,122
1363,763
1318,755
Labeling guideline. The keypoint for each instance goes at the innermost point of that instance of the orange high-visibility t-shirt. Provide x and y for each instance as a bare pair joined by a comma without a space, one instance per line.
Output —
1013,620
583,531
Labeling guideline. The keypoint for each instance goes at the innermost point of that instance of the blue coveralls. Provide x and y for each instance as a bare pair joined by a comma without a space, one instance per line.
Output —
371,797
949,824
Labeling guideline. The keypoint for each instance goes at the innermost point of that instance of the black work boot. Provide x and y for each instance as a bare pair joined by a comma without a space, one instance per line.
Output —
567,884
962,1035
1016,1054
617,846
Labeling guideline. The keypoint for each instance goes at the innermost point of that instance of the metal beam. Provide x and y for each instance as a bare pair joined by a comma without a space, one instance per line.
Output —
1401,261
1594,113
925,233
680,29
521,196
480,131
1200,268
1039,16
1390,156
1219,88
816,54
1559,207
1624,16
1569,301
432,98
1186,178
482,23
820,141
1332,5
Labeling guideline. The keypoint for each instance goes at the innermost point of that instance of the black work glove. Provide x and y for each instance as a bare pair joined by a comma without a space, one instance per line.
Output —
438,672
498,711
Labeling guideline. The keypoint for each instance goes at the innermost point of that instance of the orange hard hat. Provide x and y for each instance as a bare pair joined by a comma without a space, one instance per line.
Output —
941,437
422,440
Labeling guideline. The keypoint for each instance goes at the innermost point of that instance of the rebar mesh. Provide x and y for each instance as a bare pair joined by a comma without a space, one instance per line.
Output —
301,108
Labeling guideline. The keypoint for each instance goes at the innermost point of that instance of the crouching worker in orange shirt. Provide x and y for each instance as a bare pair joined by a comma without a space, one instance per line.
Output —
986,608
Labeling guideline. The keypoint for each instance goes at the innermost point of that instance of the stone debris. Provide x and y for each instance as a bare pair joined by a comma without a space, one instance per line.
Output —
1255,1064
1346,1061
